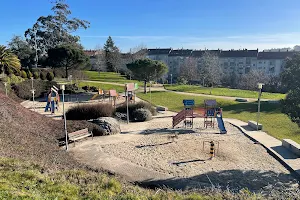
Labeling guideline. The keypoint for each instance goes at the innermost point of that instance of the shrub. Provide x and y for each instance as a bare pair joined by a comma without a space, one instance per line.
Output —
93,89
141,115
59,73
22,89
76,125
133,107
36,75
29,74
13,79
50,76
71,88
86,88
42,76
9,71
23,74
90,111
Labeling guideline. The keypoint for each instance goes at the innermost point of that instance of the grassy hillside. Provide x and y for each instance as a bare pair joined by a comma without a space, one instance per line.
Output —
25,180
108,77
223,92
274,122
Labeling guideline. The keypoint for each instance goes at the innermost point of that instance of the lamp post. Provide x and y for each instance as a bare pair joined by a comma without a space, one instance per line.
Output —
5,84
150,91
62,87
33,103
171,79
260,86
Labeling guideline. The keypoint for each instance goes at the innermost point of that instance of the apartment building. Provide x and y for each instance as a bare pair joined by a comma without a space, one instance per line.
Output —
231,61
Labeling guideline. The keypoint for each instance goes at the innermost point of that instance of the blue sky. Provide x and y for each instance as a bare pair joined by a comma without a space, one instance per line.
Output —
195,24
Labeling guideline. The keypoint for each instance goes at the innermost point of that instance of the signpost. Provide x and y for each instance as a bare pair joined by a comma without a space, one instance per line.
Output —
62,87
33,92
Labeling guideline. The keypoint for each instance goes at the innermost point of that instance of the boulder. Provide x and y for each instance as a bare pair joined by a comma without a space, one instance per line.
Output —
110,125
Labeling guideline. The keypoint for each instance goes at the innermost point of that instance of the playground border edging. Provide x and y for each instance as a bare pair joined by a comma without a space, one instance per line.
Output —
270,151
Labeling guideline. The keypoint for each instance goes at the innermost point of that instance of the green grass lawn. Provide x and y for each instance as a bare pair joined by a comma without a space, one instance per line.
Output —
224,92
102,86
274,122
109,77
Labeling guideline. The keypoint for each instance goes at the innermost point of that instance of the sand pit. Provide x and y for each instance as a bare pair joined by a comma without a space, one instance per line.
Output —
238,162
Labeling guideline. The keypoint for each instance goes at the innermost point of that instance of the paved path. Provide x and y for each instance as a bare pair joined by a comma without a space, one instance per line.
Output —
109,83
273,145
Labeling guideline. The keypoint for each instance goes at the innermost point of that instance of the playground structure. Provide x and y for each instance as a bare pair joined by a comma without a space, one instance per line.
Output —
52,100
210,112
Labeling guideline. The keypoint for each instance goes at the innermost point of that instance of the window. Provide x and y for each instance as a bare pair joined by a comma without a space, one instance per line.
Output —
253,65
232,64
259,62
271,63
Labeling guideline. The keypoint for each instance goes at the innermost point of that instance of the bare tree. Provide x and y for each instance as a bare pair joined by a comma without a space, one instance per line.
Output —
99,60
209,69
138,52
249,81
188,70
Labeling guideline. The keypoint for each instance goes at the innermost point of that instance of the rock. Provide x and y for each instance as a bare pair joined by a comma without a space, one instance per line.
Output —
110,125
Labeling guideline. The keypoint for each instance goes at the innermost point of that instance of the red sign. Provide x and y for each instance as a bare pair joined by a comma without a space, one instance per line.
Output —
113,93
130,87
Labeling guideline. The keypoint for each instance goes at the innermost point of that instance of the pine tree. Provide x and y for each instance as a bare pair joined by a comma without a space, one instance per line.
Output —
112,55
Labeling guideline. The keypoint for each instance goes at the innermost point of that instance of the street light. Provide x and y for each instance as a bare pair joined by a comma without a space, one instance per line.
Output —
260,86
171,79
62,87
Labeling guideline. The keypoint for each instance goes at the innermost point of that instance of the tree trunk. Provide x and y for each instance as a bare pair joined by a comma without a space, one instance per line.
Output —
145,86
67,72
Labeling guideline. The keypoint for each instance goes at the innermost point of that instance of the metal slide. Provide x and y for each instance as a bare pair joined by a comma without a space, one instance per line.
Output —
221,124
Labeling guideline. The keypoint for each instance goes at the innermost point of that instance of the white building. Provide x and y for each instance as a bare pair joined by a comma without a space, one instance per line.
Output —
272,63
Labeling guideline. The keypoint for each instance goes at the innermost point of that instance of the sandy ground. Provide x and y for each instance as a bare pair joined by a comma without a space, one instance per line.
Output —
185,157
146,149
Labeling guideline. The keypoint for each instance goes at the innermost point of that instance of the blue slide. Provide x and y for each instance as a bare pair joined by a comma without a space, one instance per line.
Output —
221,124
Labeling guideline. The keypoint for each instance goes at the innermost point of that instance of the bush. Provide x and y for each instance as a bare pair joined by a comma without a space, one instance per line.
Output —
50,76
76,125
9,71
86,88
13,79
93,89
23,74
59,73
71,88
29,74
22,90
36,75
133,107
141,115
42,76
90,111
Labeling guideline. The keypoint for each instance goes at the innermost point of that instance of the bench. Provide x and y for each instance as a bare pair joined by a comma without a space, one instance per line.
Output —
253,125
292,146
77,135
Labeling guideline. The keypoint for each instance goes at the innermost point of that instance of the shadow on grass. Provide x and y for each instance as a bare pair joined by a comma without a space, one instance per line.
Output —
252,108
254,180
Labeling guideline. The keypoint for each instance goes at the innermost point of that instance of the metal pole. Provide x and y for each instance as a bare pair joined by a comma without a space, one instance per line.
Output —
31,82
258,110
127,105
171,79
65,121
150,92
33,99
5,84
